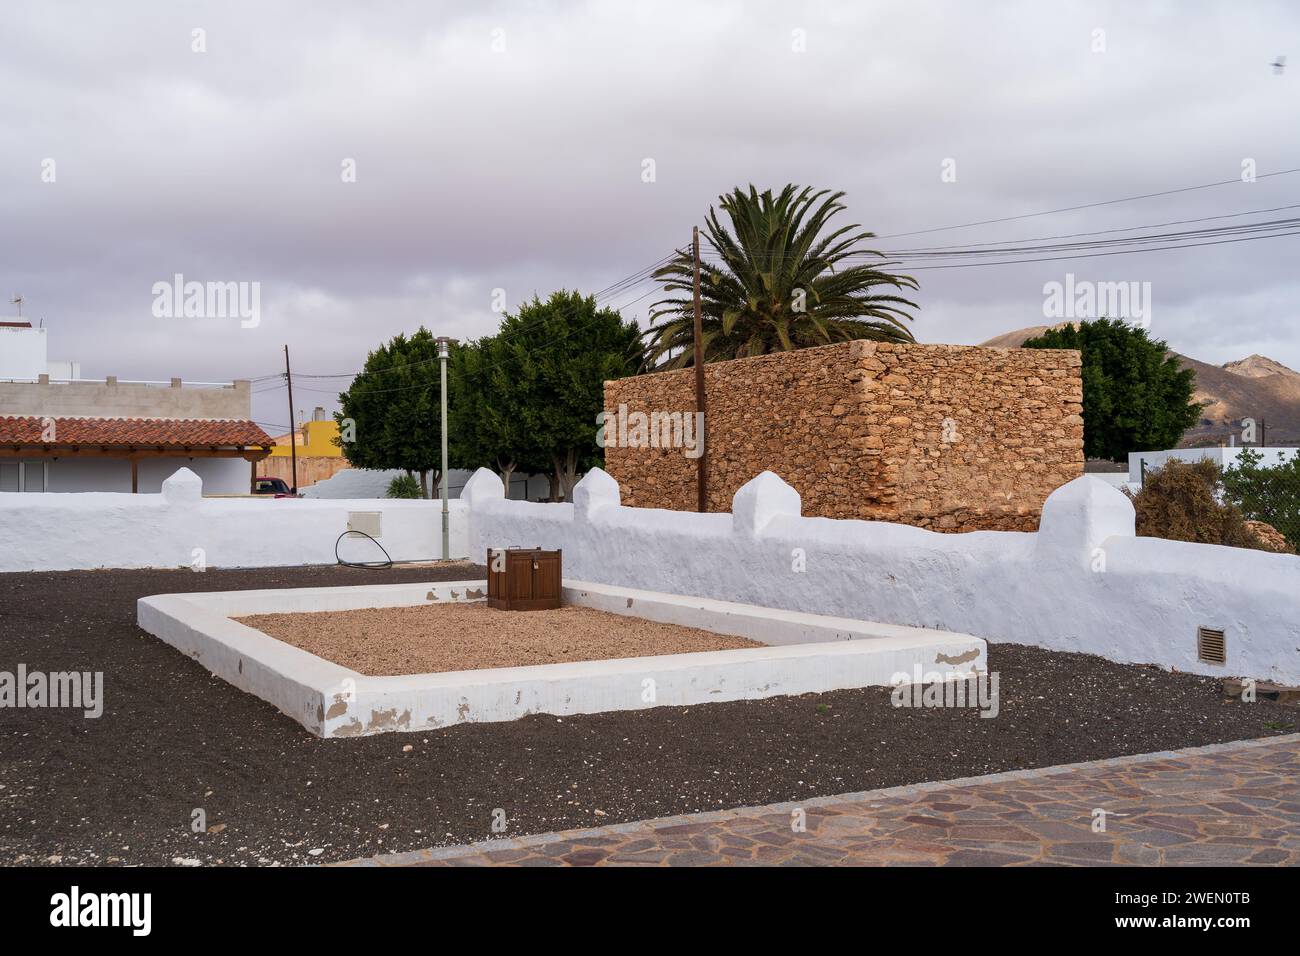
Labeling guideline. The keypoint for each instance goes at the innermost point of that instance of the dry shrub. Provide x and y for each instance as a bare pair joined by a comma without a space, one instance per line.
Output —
1180,502
1270,539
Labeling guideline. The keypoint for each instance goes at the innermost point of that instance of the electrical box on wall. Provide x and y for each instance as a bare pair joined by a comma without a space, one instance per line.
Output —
367,522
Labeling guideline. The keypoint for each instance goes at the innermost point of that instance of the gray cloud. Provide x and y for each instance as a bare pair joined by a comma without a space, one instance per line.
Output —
521,169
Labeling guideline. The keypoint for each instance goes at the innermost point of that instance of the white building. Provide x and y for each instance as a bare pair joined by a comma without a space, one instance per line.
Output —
1140,462
23,353
60,432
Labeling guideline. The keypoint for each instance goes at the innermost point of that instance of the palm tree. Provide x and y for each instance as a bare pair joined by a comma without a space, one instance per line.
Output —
779,284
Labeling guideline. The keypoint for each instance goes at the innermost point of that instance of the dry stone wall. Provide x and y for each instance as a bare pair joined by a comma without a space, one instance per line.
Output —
953,438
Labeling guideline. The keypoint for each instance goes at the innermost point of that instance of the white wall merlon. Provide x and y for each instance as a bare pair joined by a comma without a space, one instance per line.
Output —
1084,582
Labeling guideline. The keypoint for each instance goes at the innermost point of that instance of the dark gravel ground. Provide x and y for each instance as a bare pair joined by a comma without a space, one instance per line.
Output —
122,789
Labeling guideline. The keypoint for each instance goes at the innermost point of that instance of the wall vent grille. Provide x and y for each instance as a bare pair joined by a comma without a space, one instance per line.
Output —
1211,646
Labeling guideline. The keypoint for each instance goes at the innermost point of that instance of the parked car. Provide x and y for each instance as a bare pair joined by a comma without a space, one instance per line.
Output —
272,486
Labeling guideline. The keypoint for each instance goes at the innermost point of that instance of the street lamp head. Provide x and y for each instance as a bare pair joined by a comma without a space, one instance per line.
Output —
443,342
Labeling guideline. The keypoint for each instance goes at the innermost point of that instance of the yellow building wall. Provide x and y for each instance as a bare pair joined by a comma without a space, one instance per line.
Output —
314,440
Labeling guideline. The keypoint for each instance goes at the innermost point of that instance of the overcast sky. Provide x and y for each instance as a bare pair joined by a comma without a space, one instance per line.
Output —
503,146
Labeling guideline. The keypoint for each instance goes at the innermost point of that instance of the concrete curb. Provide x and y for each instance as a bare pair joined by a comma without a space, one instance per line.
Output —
801,654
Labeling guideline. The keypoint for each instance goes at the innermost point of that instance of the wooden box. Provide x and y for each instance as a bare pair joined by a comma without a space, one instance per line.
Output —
524,579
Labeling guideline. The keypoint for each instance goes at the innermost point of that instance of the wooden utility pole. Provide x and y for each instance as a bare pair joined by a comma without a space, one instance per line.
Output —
293,429
702,479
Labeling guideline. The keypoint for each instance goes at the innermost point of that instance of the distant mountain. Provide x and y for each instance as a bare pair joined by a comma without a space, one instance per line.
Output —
1256,387
1258,366
1013,340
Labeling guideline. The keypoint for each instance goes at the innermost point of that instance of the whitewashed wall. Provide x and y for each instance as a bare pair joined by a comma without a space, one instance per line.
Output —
52,531
1083,582
1223,457
373,483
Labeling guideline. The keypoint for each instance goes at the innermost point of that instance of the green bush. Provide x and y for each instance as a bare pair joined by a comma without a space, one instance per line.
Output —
1266,492
404,486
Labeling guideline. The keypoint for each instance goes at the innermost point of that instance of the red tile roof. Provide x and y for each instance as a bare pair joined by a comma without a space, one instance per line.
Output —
146,432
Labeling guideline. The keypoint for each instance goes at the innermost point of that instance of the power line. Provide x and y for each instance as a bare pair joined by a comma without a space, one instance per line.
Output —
1156,248
1101,232
624,305
319,391
1026,253
1264,229
1271,226
1117,252
485,368
614,289
1090,205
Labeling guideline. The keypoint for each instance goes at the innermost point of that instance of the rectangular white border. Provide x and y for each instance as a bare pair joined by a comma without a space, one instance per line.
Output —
806,653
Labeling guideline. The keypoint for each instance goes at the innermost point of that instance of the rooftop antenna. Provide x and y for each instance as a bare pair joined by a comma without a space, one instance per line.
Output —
18,301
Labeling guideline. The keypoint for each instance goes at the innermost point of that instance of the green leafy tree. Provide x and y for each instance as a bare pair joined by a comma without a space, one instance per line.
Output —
485,430
550,362
785,279
390,411
1136,396
1268,493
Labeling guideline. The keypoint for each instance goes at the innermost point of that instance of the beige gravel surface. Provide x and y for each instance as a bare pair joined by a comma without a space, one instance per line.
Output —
382,642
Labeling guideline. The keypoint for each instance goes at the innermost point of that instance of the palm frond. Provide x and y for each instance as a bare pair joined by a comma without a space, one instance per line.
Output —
774,251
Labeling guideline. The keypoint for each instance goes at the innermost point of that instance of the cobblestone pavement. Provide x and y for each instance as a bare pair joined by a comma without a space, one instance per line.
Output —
1227,804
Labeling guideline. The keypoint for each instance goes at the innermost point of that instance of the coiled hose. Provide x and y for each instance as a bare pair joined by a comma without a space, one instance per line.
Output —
372,565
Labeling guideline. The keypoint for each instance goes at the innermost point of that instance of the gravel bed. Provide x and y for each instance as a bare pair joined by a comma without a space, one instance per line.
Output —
469,636
124,788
